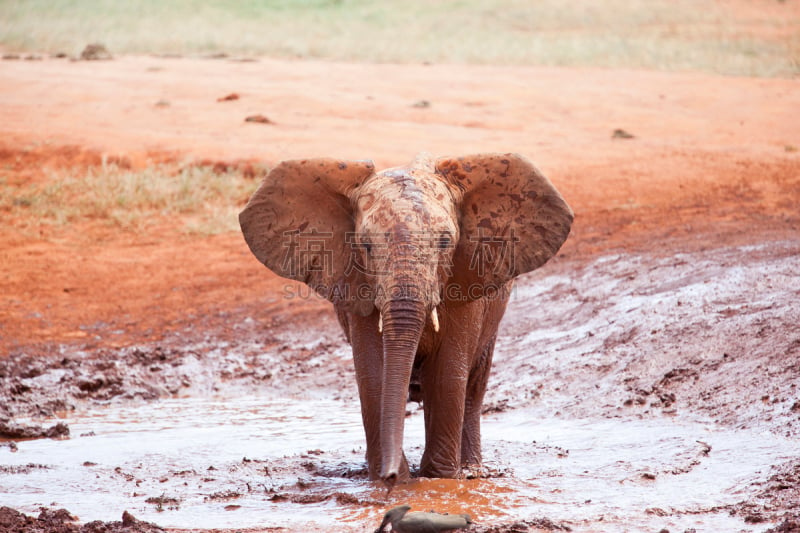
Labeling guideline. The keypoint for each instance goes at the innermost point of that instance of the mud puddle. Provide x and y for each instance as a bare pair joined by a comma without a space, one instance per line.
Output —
186,463
638,392
241,462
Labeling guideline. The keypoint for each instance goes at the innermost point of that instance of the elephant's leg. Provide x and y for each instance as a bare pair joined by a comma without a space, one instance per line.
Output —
444,378
368,361
476,388
443,403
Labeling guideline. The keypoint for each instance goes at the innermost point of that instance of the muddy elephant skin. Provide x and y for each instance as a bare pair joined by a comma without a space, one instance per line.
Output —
418,262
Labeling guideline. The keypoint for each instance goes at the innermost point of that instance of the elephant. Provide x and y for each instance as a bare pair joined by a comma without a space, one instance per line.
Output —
419,262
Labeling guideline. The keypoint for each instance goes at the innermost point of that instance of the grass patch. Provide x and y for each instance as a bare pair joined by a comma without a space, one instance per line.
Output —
194,199
653,34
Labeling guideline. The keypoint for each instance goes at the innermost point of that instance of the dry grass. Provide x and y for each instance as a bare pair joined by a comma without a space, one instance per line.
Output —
726,36
193,199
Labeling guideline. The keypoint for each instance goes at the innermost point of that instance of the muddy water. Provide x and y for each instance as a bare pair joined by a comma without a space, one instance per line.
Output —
201,456
240,462
632,393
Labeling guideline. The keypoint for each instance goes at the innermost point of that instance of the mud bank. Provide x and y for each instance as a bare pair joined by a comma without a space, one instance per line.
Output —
641,392
61,521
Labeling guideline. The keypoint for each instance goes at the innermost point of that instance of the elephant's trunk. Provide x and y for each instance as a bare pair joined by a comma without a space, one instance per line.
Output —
403,322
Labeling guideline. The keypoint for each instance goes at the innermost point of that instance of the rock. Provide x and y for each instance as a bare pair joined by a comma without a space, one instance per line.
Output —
420,522
95,52
261,119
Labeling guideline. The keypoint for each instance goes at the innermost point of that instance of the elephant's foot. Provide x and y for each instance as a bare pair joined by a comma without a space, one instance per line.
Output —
469,469
446,473
430,467
471,455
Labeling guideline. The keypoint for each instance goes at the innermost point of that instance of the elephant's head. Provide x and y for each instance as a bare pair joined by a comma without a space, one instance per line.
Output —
403,242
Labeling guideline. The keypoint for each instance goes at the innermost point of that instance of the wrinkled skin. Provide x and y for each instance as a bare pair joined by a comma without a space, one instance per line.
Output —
418,262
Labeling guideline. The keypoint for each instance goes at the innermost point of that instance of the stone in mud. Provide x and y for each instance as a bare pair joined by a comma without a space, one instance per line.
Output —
521,526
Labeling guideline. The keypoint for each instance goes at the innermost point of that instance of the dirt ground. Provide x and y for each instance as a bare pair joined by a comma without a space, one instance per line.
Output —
705,187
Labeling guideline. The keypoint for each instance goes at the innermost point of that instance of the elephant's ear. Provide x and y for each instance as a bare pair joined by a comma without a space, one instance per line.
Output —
512,221
299,220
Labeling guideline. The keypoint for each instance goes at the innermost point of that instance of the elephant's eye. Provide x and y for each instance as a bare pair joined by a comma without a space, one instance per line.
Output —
366,245
444,241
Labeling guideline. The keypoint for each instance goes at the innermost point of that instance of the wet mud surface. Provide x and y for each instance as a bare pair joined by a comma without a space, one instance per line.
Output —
61,521
653,392
646,379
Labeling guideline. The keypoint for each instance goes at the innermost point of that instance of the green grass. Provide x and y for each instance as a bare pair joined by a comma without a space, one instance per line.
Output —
651,34
193,199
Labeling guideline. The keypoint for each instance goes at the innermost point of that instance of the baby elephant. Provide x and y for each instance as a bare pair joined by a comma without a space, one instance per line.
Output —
418,522
418,262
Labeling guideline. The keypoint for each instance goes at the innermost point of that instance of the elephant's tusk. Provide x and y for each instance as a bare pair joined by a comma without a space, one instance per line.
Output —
435,319
380,323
